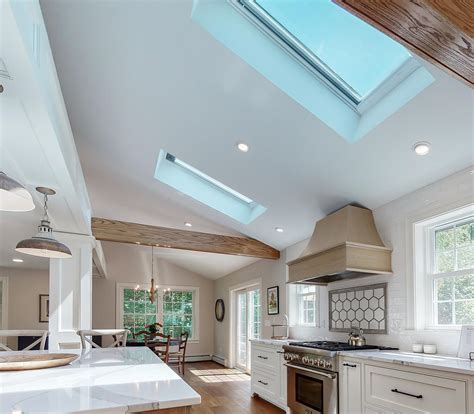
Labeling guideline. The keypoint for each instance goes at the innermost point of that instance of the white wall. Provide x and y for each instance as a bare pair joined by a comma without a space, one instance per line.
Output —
394,222
24,288
132,264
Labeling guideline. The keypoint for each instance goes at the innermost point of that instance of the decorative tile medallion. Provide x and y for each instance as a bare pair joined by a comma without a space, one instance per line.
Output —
362,307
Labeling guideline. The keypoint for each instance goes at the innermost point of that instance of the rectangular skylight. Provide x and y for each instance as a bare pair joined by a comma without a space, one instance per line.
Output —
350,54
205,189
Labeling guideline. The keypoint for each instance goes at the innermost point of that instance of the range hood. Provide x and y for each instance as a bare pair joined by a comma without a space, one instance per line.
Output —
344,245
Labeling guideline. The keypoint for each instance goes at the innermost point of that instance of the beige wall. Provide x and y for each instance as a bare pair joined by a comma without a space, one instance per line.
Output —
24,288
132,264
271,273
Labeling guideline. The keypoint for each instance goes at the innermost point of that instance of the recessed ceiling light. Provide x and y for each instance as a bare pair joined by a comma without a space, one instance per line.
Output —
18,260
137,242
243,147
279,229
187,224
422,148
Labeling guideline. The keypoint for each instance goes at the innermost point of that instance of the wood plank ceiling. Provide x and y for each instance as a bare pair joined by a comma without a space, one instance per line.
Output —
440,31
124,232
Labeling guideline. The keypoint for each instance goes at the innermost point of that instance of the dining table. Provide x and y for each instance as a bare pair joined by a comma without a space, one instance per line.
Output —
156,343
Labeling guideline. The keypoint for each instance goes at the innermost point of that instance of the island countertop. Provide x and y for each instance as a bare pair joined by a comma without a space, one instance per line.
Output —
113,380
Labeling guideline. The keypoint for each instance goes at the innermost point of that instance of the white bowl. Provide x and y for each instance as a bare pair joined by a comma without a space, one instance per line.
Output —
429,349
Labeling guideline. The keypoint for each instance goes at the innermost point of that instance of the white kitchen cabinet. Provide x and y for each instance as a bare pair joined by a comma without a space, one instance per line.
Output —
371,387
268,373
350,387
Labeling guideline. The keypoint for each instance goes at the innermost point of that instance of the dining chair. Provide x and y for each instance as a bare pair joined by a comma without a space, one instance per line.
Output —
119,336
8,333
180,355
158,348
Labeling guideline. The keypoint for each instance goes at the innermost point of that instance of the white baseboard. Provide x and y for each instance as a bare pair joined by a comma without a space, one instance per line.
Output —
198,358
219,359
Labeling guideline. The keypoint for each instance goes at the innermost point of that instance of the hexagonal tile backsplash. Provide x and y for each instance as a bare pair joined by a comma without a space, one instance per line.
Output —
364,307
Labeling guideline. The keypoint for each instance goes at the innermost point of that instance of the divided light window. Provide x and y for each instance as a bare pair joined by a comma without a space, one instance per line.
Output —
177,313
137,310
306,303
452,262
175,309
348,54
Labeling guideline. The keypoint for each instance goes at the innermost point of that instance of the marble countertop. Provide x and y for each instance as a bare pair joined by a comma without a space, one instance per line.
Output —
438,362
118,380
276,342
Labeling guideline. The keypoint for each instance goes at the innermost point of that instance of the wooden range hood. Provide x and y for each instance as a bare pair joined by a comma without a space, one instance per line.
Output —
344,245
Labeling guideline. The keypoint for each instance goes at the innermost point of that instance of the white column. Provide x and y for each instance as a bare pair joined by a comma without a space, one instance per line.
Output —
70,291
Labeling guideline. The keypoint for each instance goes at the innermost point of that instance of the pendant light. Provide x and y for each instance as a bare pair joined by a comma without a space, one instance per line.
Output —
13,196
153,289
43,243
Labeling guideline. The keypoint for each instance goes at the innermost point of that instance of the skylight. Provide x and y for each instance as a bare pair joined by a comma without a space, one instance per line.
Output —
205,189
336,44
344,71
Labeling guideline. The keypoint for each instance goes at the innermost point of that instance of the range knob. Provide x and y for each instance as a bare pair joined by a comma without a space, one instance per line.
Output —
328,364
321,362
305,360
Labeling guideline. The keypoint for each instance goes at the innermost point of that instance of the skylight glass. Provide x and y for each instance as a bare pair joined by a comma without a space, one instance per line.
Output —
205,189
352,55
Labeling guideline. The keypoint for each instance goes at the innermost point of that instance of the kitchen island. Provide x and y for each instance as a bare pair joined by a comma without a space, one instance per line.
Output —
110,380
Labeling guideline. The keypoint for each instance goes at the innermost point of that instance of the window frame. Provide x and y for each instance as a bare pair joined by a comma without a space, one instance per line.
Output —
120,288
295,48
296,306
423,266
432,275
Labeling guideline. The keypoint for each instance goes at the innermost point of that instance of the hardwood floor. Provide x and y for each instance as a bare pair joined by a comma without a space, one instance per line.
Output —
224,390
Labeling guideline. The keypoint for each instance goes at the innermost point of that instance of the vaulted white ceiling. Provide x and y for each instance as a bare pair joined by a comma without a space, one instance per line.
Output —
138,76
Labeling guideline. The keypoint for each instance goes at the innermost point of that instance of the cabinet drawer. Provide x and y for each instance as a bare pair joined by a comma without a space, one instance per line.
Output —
414,393
265,384
266,358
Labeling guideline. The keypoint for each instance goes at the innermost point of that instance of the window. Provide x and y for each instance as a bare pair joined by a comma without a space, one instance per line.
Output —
194,183
339,68
304,305
177,312
176,308
452,278
336,45
137,310
306,297
255,313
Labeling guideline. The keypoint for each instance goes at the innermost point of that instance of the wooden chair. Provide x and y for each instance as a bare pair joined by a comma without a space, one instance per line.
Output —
20,332
158,350
119,336
180,355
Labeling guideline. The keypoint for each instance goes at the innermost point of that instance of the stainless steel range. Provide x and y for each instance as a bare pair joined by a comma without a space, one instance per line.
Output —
313,377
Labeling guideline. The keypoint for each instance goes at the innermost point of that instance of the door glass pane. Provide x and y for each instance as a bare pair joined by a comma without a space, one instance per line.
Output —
242,329
254,314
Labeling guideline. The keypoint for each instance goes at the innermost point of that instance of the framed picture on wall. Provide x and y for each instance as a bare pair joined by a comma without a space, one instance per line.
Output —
44,308
273,300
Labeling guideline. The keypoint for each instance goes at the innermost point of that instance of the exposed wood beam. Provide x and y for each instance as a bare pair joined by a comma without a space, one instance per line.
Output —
124,232
441,31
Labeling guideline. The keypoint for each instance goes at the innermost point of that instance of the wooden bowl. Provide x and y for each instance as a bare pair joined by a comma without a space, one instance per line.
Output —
28,360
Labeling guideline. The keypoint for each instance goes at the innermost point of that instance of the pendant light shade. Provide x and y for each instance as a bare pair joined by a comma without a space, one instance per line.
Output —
44,244
13,196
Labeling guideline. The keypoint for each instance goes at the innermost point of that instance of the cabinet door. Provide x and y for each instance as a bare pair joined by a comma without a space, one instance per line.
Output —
350,388
283,379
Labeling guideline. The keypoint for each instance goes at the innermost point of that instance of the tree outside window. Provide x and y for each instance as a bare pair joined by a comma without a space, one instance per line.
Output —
453,273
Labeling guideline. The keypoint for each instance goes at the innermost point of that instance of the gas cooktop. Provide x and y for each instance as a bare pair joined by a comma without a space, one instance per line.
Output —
332,346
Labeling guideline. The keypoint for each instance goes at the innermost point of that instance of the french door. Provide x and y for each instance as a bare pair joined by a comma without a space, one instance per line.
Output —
248,322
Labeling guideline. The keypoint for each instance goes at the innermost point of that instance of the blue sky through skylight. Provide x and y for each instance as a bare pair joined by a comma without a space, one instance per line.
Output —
359,54
207,190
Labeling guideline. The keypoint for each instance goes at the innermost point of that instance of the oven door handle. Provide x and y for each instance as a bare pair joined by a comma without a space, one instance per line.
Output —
312,371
